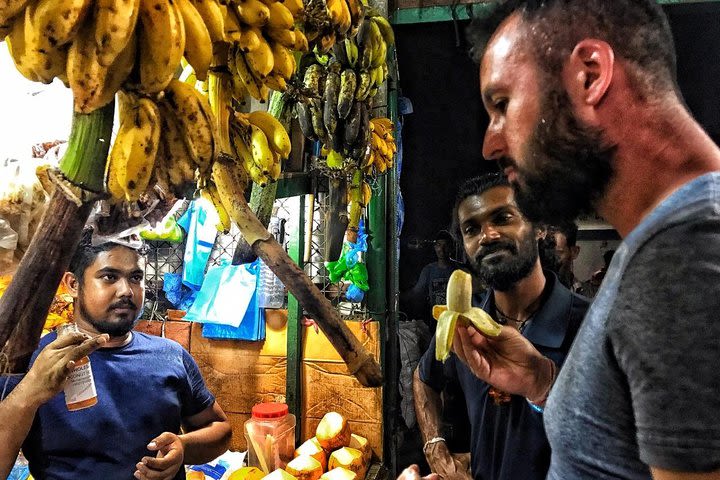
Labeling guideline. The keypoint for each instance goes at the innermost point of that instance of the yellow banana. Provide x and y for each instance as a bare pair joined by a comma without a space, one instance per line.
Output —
116,21
277,136
193,113
180,166
345,20
276,82
20,50
213,18
275,168
301,42
260,149
10,9
162,43
253,84
92,84
283,61
261,59
280,17
334,11
56,22
285,37
232,25
198,45
253,12
211,194
459,308
366,193
250,39
243,151
132,157
296,7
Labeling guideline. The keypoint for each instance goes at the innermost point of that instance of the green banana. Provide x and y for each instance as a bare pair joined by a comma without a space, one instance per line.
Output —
332,90
363,86
348,83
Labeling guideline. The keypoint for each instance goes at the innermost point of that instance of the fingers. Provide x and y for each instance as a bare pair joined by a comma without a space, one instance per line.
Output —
144,472
162,441
73,338
89,346
410,473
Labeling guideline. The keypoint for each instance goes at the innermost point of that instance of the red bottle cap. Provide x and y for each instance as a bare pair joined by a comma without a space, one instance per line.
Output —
270,410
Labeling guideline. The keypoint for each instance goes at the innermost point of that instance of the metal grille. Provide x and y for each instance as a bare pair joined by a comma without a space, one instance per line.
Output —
165,257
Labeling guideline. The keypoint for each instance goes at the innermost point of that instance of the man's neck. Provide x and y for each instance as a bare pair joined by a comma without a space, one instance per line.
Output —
524,298
113,342
659,149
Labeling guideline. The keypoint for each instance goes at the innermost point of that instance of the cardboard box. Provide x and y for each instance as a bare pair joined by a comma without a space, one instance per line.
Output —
174,330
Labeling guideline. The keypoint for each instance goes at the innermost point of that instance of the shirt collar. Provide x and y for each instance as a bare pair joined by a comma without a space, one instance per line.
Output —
549,325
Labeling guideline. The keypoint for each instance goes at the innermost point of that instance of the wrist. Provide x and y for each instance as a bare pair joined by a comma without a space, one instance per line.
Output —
544,380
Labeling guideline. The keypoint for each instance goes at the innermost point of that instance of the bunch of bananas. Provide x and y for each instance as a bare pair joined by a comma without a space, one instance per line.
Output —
97,47
330,21
163,142
263,37
261,143
382,147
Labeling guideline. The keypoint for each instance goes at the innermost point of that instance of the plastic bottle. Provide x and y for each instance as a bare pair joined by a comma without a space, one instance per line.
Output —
80,387
270,435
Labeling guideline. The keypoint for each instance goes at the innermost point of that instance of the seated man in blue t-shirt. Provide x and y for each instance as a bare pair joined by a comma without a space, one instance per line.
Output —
148,387
507,438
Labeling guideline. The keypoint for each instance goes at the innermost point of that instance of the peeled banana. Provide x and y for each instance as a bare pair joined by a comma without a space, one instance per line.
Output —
459,308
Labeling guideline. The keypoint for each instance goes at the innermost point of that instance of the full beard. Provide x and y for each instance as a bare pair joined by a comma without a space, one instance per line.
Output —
505,273
116,328
569,169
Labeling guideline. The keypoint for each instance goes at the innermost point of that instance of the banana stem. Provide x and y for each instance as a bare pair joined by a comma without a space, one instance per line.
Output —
84,161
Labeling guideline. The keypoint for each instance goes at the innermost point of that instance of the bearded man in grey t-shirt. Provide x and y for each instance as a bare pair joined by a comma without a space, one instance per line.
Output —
585,114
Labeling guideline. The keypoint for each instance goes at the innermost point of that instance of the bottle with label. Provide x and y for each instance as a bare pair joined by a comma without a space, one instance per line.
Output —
80,387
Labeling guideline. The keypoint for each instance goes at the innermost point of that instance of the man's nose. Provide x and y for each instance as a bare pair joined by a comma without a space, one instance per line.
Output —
124,289
488,234
494,146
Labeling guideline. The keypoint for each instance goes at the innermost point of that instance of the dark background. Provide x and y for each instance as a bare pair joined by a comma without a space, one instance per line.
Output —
442,139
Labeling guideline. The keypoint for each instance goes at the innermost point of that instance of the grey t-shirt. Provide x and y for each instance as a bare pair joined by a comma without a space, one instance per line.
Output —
641,385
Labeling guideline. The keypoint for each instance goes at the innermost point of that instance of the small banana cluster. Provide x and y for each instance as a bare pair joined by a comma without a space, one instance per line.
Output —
330,21
263,37
261,143
459,308
163,142
210,193
359,195
382,147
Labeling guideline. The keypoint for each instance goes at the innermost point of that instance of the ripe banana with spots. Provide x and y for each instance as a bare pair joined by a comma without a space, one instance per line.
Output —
210,193
459,308
132,157
198,49
162,43
116,21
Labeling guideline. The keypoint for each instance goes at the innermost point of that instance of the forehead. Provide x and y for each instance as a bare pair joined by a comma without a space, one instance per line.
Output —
118,258
560,240
505,54
486,202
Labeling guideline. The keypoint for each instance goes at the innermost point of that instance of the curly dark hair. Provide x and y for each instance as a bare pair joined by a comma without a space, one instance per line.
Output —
86,253
637,30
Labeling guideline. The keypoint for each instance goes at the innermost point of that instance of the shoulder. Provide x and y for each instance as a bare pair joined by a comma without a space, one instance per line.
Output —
156,343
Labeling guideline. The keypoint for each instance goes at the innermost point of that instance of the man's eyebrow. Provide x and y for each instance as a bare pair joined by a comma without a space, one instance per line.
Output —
488,93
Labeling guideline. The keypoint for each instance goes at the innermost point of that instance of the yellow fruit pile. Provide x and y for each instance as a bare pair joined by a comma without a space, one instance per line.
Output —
263,36
382,147
331,21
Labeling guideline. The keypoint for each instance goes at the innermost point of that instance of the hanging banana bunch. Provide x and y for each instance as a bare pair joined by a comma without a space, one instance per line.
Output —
261,143
328,22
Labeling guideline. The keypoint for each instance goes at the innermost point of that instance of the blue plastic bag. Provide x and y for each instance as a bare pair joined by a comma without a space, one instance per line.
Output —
227,303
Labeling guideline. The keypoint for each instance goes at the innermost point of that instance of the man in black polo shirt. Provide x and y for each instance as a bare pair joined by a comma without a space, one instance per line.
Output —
507,435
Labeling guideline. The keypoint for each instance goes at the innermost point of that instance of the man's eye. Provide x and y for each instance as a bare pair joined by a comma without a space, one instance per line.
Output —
500,105
503,218
108,277
137,278
469,230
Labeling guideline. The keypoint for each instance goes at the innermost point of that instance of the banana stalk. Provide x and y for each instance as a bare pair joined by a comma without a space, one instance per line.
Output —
360,363
26,302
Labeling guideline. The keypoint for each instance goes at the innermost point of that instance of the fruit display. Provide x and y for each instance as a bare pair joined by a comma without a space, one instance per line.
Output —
339,473
333,431
278,474
312,448
247,473
350,459
459,308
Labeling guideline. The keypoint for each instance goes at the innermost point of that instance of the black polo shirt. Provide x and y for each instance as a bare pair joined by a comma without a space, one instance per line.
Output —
508,441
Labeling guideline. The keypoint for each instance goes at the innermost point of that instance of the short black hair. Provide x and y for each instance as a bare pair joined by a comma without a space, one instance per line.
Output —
444,235
637,30
86,253
569,229
471,187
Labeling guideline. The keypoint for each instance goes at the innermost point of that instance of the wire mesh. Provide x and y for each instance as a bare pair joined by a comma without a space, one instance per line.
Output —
165,257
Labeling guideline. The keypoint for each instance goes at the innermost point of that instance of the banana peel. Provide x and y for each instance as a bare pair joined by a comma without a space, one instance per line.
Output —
459,308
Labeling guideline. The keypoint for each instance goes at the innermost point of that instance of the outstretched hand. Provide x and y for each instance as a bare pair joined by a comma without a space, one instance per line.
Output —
166,463
413,473
508,362
52,366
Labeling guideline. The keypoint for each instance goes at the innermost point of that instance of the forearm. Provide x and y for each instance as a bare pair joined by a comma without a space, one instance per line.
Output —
17,412
428,411
206,443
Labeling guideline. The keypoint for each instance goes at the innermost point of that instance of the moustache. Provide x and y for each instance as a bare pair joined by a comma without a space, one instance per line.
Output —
506,162
495,247
123,304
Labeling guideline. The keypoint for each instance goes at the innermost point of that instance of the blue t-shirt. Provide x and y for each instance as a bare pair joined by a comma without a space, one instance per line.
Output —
508,441
144,388
641,385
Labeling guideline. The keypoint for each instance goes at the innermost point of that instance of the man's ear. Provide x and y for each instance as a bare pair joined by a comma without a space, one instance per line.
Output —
588,72
71,283
574,252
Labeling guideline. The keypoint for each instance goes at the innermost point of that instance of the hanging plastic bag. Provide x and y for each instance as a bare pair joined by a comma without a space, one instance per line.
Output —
225,295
